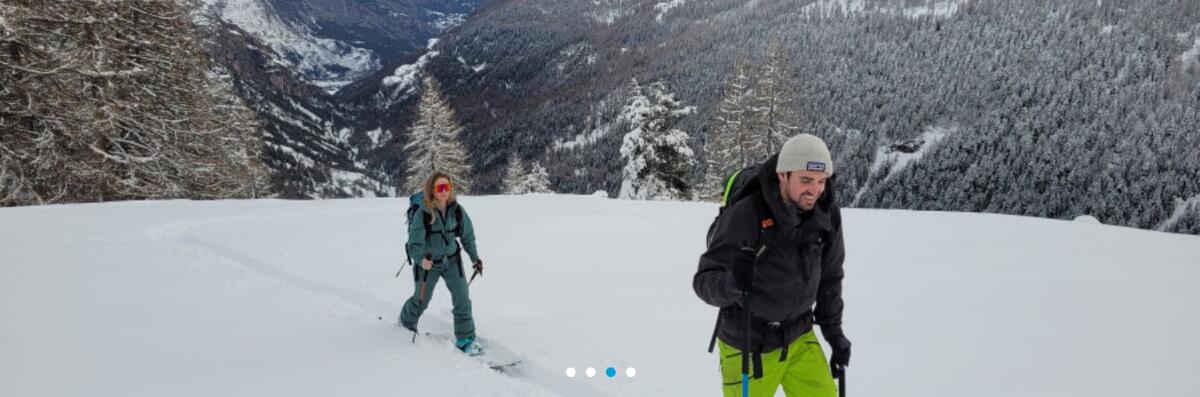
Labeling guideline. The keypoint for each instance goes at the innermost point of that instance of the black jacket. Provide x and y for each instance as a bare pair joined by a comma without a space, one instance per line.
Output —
802,267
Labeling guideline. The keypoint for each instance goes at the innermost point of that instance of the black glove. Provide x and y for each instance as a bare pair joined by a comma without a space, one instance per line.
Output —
840,358
478,266
743,270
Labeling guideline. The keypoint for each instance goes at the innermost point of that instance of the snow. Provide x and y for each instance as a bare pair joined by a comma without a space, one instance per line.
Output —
303,110
892,162
284,115
278,297
936,9
476,68
446,22
405,77
1191,57
1182,208
353,182
379,136
300,48
583,140
827,7
332,86
343,135
292,153
1087,219
666,6
607,15
900,160
1107,29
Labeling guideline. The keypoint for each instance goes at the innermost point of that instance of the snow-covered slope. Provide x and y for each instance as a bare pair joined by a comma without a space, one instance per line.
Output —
335,43
1191,57
329,63
269,297
909,9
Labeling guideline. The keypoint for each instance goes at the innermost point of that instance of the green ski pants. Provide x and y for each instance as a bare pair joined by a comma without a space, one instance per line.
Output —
804,374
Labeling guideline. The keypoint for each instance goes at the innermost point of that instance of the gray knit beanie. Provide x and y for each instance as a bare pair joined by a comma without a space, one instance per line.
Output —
805,152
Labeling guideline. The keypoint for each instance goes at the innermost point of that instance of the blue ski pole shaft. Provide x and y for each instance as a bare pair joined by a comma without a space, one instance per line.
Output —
746,347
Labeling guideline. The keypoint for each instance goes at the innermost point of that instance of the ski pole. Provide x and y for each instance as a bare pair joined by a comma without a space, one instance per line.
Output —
749,319
746,347
407,260
842,384
402,265
424,281
478,272
421,298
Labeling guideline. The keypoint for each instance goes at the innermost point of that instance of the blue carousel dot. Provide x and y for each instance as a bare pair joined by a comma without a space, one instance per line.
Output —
611,372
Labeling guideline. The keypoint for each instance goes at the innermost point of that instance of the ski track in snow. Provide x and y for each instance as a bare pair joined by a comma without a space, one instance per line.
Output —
184,233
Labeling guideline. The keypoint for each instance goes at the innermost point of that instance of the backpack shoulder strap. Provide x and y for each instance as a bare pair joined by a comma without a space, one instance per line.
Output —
766,234
729,188
457,220
427,220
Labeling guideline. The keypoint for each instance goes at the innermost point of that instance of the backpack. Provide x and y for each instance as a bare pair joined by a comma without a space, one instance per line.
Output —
414,206
739,186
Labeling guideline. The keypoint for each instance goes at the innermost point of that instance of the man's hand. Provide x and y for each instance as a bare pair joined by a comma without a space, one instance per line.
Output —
478,266
743,269
426,264
840,359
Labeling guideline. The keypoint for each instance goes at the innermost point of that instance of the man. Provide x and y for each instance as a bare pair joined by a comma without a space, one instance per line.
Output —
779,251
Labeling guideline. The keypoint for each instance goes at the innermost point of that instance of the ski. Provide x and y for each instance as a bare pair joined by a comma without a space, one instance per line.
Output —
495,363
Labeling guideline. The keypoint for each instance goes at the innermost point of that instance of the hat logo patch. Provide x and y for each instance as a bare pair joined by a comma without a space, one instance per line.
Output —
816,166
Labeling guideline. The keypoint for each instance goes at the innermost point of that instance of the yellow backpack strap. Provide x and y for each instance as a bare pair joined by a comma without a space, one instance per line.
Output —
728,187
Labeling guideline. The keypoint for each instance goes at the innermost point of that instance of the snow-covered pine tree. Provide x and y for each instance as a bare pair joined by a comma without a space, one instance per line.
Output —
515,175
657,158
433,142
775,101
538,179
732,143
519,180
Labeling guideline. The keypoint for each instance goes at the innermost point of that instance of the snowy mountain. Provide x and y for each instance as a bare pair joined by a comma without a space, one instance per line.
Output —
272,297
1046,108
287,58
334,43
308,143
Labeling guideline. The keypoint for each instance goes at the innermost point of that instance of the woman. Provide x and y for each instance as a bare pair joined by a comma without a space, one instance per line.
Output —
431,237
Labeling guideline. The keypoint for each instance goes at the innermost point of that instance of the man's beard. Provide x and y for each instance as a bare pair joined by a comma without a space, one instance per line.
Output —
801,206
